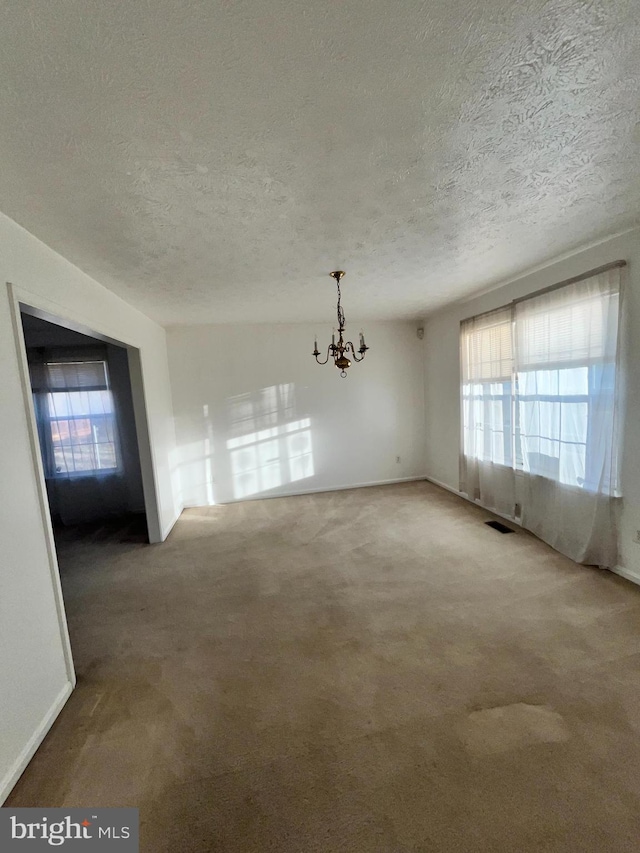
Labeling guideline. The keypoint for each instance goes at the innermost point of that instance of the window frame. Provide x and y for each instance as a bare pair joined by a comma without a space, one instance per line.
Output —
48,419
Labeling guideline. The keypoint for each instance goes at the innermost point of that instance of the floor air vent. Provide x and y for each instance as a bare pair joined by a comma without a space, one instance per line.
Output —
501,528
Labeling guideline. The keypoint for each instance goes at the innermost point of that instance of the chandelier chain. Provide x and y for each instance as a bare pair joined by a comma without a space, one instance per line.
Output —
340,311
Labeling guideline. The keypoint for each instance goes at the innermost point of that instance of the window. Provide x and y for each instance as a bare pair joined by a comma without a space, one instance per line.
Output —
539,385
78,418
565,387
487,390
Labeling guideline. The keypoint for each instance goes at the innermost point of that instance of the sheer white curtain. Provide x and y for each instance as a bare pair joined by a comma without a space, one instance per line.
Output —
486,357
540,415
77,418
566,353
76,414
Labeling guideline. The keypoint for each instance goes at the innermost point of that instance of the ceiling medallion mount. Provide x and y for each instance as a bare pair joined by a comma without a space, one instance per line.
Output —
338,351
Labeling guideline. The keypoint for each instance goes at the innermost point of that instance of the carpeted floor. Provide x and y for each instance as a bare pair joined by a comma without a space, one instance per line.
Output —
372,670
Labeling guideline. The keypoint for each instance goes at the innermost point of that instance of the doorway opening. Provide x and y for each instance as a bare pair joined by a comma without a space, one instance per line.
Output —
89,433
83,406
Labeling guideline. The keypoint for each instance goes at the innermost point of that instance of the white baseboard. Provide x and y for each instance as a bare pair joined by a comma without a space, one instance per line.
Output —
471,501
167,530
630,575
448,488
293,494
14,773
634,577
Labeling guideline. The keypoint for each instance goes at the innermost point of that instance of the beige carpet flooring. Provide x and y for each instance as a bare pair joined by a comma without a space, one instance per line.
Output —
371,670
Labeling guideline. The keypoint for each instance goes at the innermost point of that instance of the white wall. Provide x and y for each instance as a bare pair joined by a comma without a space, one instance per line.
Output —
121,388
442,373
356,426
35,677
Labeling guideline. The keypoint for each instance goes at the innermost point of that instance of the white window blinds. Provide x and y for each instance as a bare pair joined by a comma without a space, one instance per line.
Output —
572,325
487,351
77,375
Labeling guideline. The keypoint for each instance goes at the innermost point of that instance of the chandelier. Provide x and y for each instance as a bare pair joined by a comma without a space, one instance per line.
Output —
338,351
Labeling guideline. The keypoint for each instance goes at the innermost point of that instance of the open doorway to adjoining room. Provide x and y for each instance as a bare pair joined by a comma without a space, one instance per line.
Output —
90,441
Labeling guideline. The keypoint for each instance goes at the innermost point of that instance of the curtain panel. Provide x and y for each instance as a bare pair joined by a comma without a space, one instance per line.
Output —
486,357
540,415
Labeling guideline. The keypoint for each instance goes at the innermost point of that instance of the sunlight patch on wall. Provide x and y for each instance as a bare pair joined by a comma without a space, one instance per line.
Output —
209,480
270,446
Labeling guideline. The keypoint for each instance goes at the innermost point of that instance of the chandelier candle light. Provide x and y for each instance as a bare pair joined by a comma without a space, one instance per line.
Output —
338,351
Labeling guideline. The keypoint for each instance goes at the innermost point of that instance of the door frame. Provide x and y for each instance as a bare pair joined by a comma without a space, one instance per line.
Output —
22,301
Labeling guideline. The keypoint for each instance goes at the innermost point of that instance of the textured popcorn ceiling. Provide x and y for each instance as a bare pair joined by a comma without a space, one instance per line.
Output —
211,161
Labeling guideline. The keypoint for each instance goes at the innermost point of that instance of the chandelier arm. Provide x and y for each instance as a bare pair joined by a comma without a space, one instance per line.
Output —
354,352
326,359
